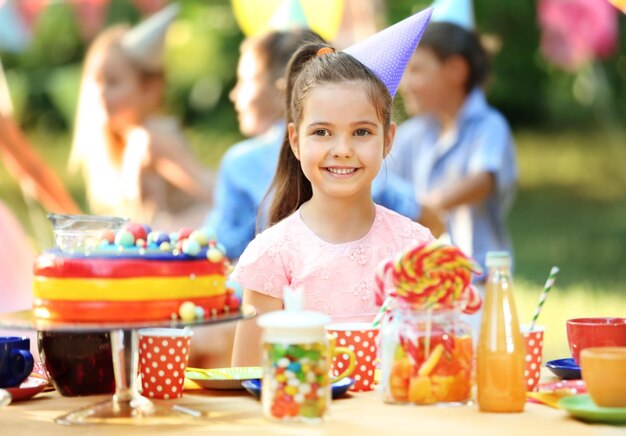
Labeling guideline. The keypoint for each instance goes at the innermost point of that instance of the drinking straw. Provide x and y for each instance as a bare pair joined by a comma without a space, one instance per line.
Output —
542,298
383,309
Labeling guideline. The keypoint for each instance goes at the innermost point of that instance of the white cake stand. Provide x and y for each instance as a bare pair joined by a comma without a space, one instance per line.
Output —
126,406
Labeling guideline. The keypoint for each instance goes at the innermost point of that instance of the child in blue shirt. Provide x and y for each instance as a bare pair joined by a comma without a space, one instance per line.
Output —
457,152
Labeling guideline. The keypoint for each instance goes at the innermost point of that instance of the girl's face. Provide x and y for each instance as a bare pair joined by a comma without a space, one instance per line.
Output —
258,102
425,84
122,91
340,141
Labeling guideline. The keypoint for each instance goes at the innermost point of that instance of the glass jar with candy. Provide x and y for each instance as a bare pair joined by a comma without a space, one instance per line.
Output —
426,357
426,350
296,362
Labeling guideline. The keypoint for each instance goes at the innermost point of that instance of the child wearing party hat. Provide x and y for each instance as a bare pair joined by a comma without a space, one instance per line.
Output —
247,168
326,234
136,162
457,151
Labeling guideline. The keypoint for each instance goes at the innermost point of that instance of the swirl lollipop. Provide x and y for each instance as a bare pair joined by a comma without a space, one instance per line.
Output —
435,276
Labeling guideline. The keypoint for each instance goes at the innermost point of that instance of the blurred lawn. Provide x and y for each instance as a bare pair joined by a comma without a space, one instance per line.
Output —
570,211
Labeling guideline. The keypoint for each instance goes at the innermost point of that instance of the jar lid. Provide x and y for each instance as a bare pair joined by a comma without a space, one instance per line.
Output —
293,325
294,319
498,258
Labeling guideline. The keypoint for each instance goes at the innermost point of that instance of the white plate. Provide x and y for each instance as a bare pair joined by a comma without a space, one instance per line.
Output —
223,378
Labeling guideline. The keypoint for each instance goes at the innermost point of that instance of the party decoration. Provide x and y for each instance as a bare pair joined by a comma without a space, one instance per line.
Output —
322,16
289,15
14,33
147,7
145,42
387,52
576,32
90,16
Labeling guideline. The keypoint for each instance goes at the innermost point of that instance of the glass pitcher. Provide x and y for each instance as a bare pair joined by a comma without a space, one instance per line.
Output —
79,232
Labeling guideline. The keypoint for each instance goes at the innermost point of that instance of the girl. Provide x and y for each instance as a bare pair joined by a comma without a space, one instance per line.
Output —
326,234
135,161
458,151
247,168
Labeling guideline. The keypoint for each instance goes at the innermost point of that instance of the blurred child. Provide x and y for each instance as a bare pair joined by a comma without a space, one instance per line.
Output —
136,162
458,151
247,168
36,179
327,235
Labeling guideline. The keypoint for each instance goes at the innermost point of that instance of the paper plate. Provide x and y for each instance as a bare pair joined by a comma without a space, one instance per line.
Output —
223,378
583,407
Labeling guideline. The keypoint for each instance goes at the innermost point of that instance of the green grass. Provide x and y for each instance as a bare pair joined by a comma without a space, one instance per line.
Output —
570,211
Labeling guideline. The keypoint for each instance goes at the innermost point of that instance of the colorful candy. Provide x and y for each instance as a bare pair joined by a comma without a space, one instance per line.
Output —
187,311
429,276
298,378
140,237
434,368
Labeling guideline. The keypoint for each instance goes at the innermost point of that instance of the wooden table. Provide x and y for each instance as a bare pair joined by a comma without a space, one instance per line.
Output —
227,412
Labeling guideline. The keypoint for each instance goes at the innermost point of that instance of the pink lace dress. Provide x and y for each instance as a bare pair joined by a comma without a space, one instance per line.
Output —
337,279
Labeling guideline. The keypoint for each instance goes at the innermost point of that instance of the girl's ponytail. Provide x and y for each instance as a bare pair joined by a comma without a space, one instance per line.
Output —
290,187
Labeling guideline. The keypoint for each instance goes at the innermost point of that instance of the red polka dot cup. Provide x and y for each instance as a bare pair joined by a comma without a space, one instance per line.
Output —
163,355
534,353
361,338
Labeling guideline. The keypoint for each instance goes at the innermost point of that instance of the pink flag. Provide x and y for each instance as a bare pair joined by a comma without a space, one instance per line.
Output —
575,32
30,10
91,15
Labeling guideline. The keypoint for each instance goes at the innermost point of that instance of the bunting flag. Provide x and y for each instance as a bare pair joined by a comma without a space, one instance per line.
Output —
149,7
14,35
30,10
322,16
289,15
91,15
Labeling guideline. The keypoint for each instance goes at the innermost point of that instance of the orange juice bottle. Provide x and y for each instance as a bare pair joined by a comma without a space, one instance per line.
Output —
500,357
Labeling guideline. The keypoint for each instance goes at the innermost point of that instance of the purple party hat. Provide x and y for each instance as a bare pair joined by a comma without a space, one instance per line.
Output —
387,52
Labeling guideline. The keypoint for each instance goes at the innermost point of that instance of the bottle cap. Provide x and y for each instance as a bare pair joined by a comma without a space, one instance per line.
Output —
498,258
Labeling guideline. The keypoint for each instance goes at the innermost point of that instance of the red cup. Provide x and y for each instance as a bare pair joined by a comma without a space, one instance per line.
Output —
533,340
361,338
595,332
163,355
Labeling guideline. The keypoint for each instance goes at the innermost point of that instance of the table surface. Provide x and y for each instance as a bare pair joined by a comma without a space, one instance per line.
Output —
359,413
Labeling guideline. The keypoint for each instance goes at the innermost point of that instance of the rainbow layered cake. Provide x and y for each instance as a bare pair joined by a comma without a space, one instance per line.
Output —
135,275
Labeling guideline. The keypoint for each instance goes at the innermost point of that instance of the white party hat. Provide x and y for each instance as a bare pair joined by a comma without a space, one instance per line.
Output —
459,12
144,43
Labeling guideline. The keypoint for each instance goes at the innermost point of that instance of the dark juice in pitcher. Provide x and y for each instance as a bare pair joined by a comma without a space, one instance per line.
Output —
78,363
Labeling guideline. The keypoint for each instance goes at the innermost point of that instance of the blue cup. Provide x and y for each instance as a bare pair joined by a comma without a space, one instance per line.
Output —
16,362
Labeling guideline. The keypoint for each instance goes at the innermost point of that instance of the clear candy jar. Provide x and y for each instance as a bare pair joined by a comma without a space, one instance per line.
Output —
296,362
426,357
